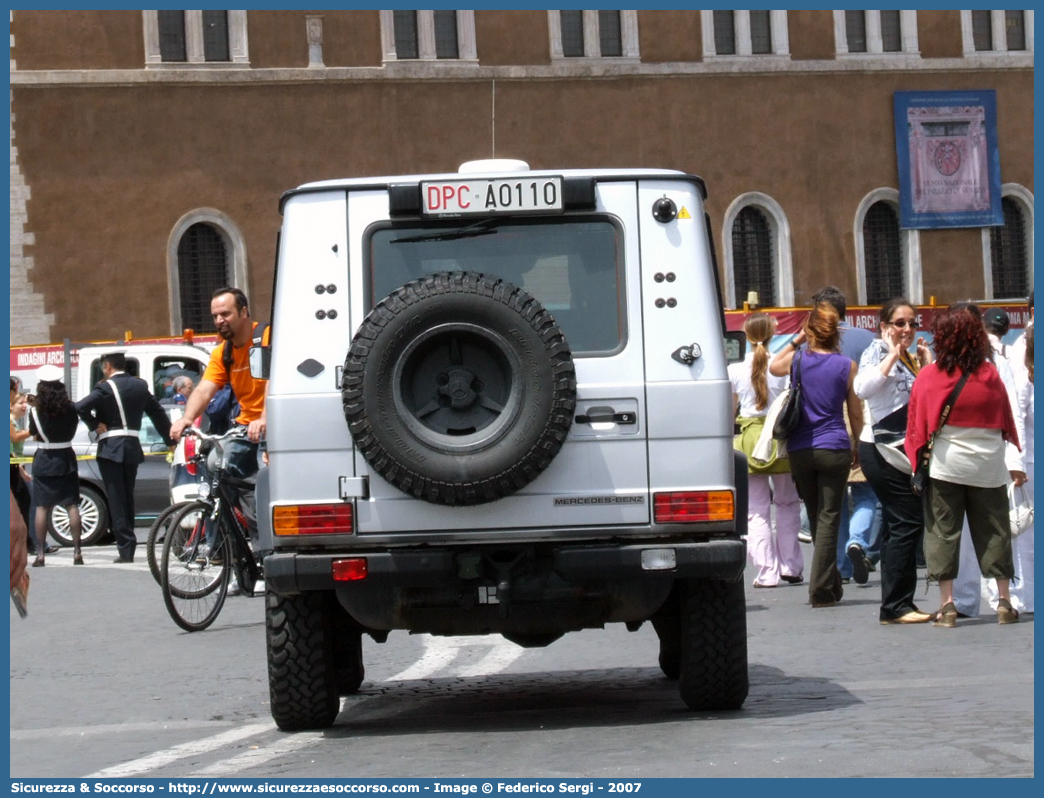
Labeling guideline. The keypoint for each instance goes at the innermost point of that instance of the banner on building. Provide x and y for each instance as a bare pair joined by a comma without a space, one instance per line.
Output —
949,166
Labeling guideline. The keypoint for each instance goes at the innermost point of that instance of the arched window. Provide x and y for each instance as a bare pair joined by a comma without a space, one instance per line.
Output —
882,254
888,259
756,247
205,251
202,269
753,259
1008,250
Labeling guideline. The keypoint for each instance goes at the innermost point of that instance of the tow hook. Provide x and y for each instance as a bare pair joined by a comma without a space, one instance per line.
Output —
503,577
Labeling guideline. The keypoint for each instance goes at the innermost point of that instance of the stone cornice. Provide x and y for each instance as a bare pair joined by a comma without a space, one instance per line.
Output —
470,71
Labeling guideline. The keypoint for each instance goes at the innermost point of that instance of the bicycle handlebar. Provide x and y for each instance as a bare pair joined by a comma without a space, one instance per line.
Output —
196,432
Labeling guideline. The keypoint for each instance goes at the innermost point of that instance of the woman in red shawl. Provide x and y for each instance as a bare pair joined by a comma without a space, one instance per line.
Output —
967,472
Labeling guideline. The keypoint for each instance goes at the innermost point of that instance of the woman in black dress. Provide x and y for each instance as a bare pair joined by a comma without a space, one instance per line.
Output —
55,481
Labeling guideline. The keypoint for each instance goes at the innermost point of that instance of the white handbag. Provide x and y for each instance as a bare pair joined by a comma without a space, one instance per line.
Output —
1020,509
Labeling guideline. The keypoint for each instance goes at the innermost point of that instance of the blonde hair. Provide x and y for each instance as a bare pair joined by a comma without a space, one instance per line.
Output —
759,328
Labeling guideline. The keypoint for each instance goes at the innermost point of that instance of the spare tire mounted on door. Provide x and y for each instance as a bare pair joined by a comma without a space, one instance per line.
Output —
459,388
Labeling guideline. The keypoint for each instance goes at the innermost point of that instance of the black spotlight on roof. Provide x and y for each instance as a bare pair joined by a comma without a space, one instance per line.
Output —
664,210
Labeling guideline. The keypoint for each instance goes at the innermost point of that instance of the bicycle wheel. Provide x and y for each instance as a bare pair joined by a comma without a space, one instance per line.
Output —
194,581
157,535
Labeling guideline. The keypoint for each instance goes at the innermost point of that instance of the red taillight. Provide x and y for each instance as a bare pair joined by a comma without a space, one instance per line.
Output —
349,570
312,519
685,507
190,452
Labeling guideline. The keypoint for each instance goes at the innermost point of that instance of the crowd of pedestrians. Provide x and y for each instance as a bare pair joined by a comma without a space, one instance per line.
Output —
871,406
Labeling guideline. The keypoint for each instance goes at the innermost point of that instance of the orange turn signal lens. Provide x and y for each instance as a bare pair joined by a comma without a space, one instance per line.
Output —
349,570
688,507
312,519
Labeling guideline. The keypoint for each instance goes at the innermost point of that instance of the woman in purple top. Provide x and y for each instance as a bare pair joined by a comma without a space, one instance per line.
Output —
820,449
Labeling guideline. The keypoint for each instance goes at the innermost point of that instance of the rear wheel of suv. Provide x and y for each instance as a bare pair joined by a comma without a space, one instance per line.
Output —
713,668
302,675
459,388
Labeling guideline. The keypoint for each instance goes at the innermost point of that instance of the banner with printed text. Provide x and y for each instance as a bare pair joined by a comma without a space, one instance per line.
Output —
949,165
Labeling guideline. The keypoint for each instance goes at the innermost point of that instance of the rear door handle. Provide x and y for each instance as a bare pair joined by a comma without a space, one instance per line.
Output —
606,415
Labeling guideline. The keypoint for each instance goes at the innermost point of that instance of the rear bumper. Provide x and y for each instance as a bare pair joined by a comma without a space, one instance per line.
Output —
288,573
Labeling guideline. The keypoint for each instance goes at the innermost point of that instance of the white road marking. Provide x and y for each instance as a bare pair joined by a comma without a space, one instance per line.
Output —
192,748
438,653
116,728
441,652
258,756
98,556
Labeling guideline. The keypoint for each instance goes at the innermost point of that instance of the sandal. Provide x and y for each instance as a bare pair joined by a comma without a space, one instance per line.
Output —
1006,613
77,558
38,562
945,616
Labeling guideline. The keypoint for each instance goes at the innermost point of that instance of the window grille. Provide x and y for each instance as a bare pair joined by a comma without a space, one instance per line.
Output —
202,269
982,30
572,34
1015,21
855,31
882,253
753,256
609,35
891,33
724,33
215,36
172,35
760,32
1008,254
406,34
446,34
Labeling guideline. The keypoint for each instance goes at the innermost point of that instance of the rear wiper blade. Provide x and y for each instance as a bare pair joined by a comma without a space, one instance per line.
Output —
470,231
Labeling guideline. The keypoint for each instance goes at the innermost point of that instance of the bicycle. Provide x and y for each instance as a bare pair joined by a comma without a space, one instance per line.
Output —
157,537
207,540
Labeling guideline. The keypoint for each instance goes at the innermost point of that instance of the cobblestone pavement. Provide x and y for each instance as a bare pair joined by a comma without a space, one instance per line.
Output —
103,682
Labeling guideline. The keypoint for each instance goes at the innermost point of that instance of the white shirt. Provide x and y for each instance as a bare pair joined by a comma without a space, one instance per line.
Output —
882,394
1017,358
971,456
739,376
1026,402
1015,459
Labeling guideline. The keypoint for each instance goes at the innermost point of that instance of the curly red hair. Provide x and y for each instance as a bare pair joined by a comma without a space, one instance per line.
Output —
960,340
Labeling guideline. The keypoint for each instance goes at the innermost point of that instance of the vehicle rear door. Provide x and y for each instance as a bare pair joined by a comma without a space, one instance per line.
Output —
583,268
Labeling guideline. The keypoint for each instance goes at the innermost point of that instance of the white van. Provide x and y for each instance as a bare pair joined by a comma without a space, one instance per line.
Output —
498,404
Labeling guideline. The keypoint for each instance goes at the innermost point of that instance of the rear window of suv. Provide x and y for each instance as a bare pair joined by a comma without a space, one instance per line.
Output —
572,266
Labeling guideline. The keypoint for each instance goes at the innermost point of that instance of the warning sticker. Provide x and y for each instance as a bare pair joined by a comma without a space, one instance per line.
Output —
684,213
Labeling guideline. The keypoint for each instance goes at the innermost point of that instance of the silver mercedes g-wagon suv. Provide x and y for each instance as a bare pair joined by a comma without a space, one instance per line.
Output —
498,404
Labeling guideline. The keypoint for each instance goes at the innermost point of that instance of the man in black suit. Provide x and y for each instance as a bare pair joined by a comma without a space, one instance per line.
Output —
115,408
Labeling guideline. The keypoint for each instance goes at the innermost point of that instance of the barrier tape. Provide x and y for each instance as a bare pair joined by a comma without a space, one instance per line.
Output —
167,454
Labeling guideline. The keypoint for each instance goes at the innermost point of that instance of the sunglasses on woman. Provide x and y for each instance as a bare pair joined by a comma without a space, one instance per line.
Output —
902,324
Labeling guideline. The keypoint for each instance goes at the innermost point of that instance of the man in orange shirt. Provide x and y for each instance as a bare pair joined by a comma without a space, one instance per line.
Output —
231,314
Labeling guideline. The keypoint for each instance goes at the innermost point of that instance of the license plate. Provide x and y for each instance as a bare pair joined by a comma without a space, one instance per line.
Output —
462,197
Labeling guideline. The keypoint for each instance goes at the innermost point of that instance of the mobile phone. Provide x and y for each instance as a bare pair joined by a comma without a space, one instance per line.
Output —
18,598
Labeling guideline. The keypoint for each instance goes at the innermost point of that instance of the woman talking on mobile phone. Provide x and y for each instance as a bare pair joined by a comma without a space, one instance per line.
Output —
886,376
